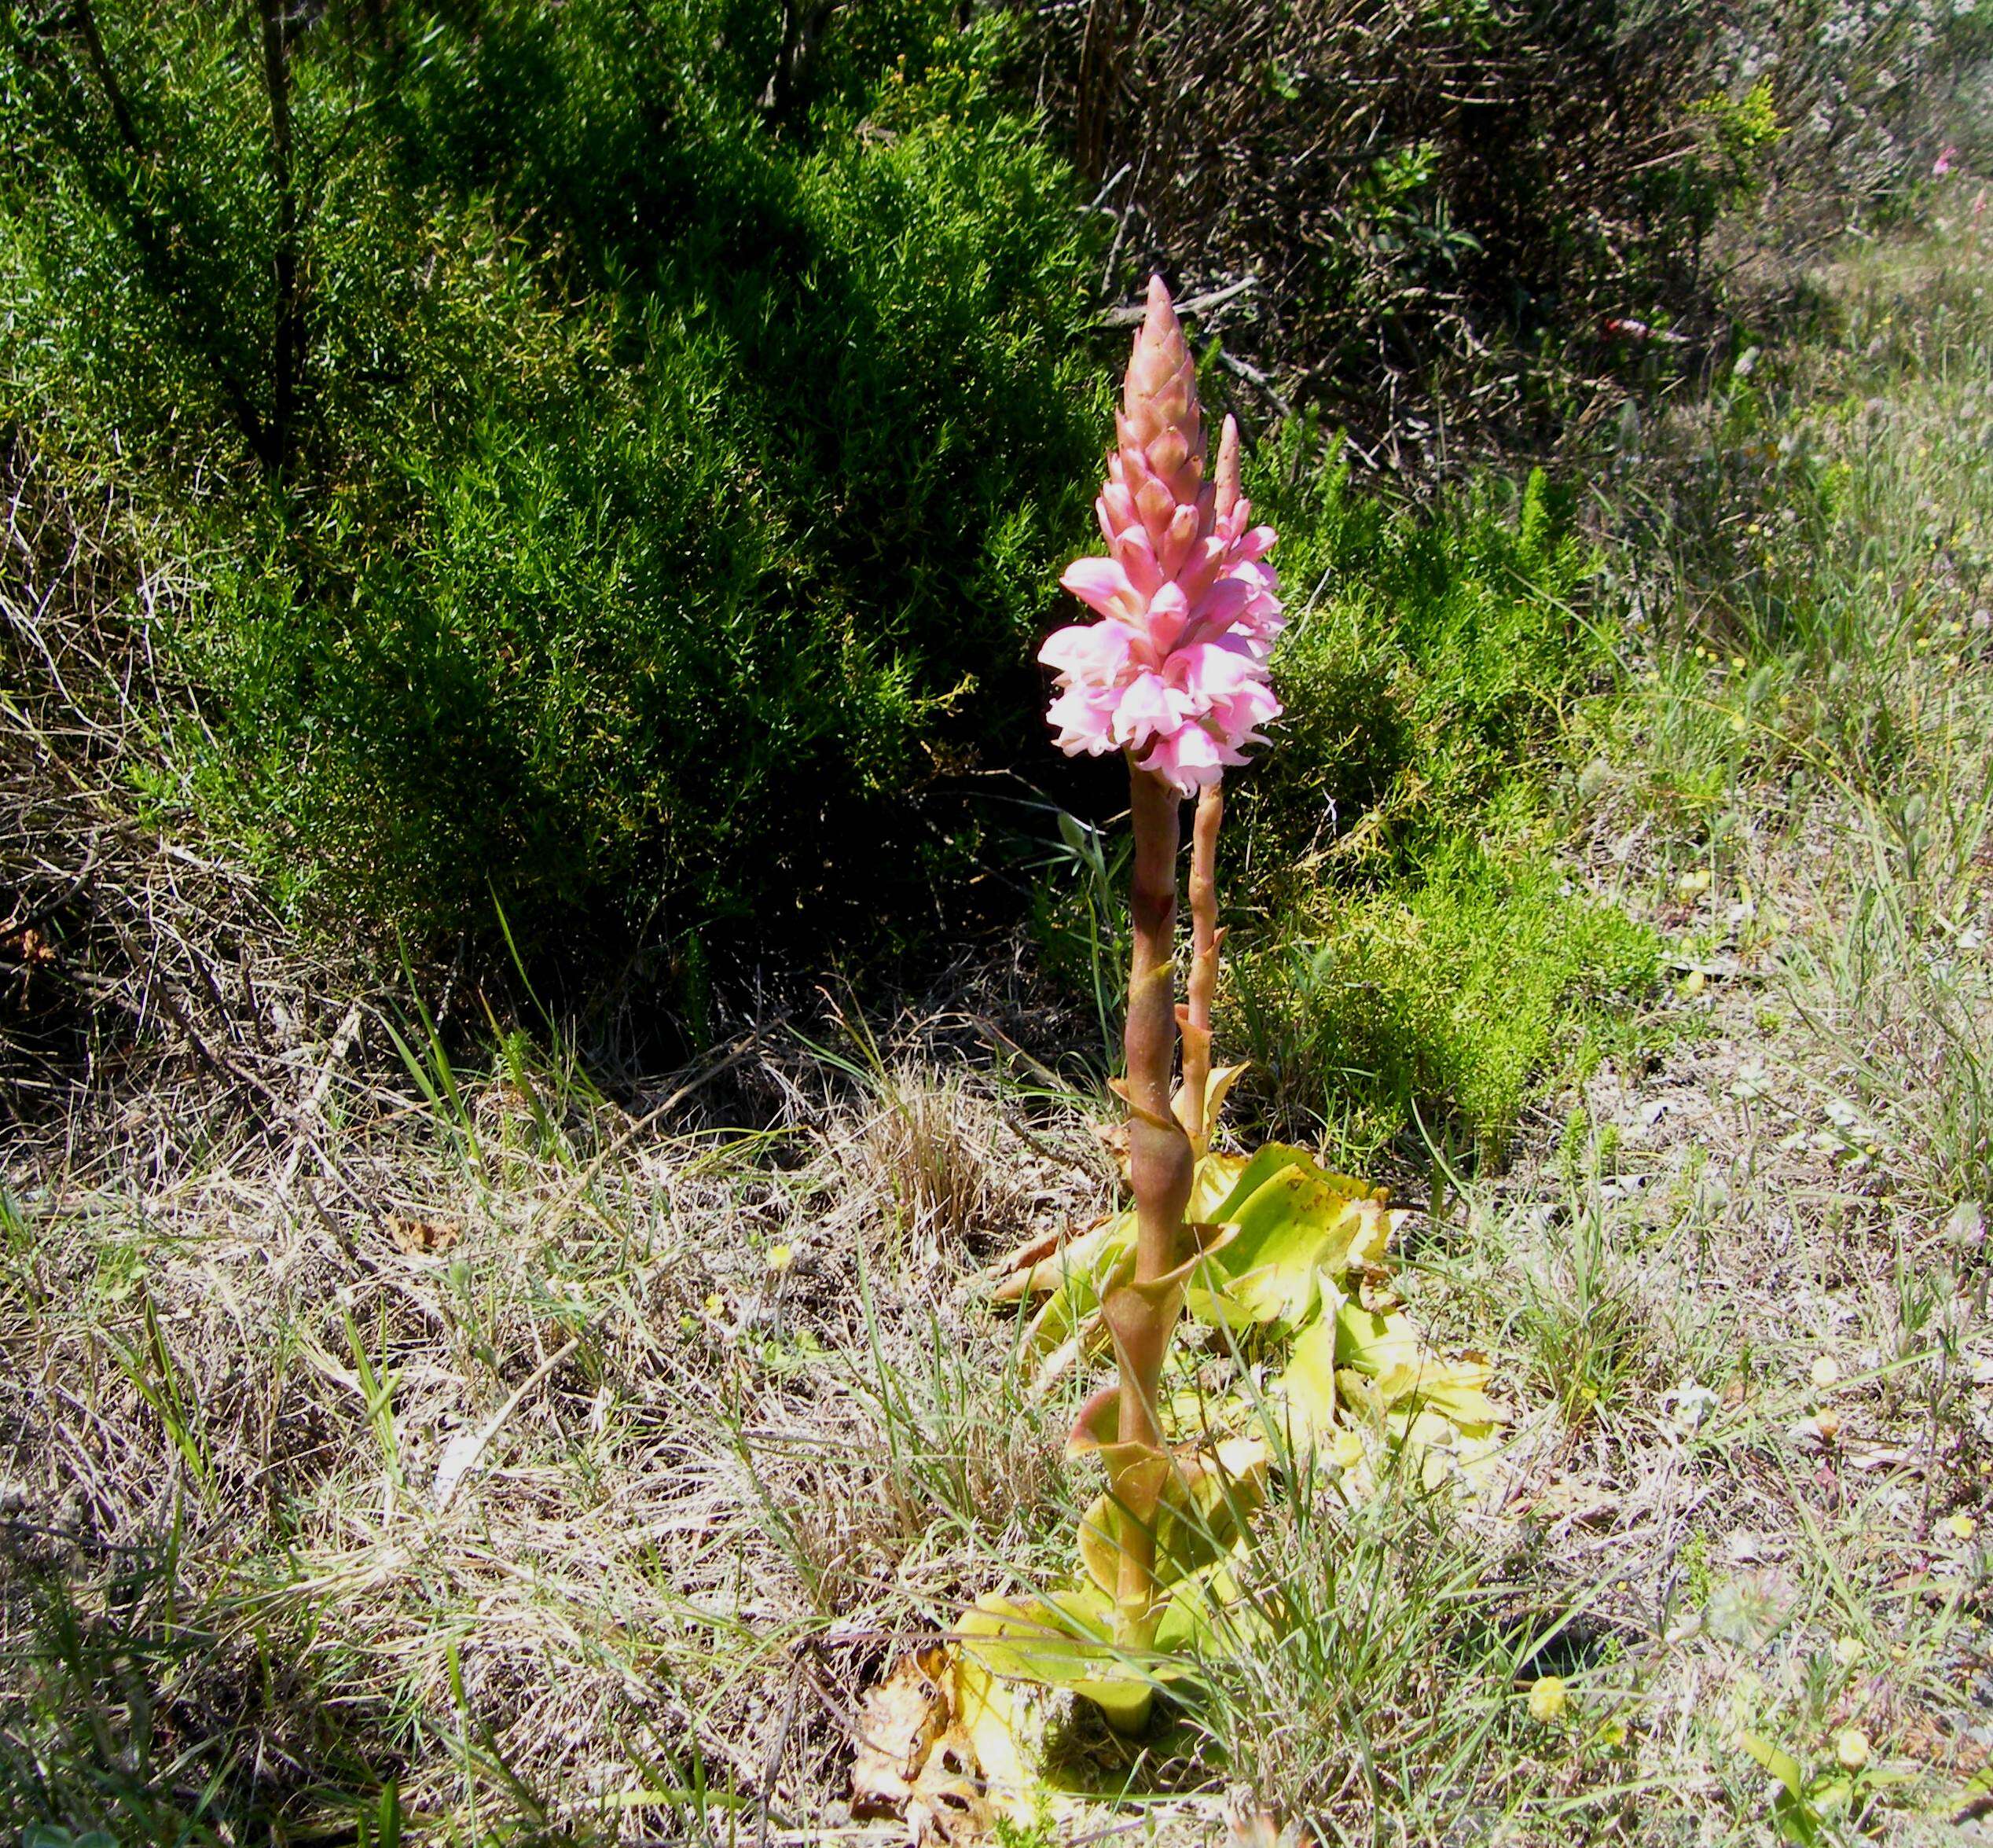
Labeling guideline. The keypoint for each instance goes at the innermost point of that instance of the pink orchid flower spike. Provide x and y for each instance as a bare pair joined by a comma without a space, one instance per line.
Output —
1174,672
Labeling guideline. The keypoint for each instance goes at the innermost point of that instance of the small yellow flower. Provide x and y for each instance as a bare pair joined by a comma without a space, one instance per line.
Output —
1692,884
1958,1526
781,1258
1547,1700
716,1304
1826,1372
1851,1748
1848,1651
1612,1733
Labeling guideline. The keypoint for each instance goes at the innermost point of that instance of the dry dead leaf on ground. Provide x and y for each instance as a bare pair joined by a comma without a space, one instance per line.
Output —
1871,1456
423,1238
1568,1501
949,1804
899,1722
29,947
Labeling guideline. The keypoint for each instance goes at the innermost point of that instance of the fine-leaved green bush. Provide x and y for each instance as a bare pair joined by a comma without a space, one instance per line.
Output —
1434,1006
620,455
1429,658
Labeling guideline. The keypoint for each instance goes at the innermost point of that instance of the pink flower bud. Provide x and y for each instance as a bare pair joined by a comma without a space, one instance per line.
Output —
1174,672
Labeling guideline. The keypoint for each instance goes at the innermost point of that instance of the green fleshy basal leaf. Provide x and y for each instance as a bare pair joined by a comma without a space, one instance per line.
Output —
1227,1181
1060,1640
1093,1255
1076,1275
1387,1349
1209,1616
1470,1407
1200,1522
1295,1218
1064,1639
1306,1391
1213,1182
1252,1172
1295,1231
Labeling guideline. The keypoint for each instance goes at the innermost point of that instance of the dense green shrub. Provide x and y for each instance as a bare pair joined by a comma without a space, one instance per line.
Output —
1417,962
621,455
1426,664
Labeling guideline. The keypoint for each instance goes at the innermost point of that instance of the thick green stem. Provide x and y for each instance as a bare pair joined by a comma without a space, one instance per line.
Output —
1159,1164
1193,1097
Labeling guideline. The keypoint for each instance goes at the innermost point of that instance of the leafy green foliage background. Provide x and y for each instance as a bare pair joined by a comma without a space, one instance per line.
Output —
616,461
663,489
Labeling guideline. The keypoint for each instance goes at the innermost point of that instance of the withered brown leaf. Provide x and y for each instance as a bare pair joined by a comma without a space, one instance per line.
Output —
898,1723
422,1238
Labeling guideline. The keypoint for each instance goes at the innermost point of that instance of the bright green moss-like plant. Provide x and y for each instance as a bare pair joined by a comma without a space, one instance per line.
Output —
1433,1007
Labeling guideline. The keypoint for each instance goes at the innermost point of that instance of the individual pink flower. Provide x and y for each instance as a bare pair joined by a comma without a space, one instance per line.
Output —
1943,164
1174,673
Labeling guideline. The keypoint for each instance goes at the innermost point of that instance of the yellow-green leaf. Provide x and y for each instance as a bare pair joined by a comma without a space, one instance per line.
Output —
1295,1233
1062,1640
1199,1517
1307,1389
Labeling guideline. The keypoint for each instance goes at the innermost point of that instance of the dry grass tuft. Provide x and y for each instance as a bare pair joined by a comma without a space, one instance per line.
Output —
138,954
938,1150
503,1453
